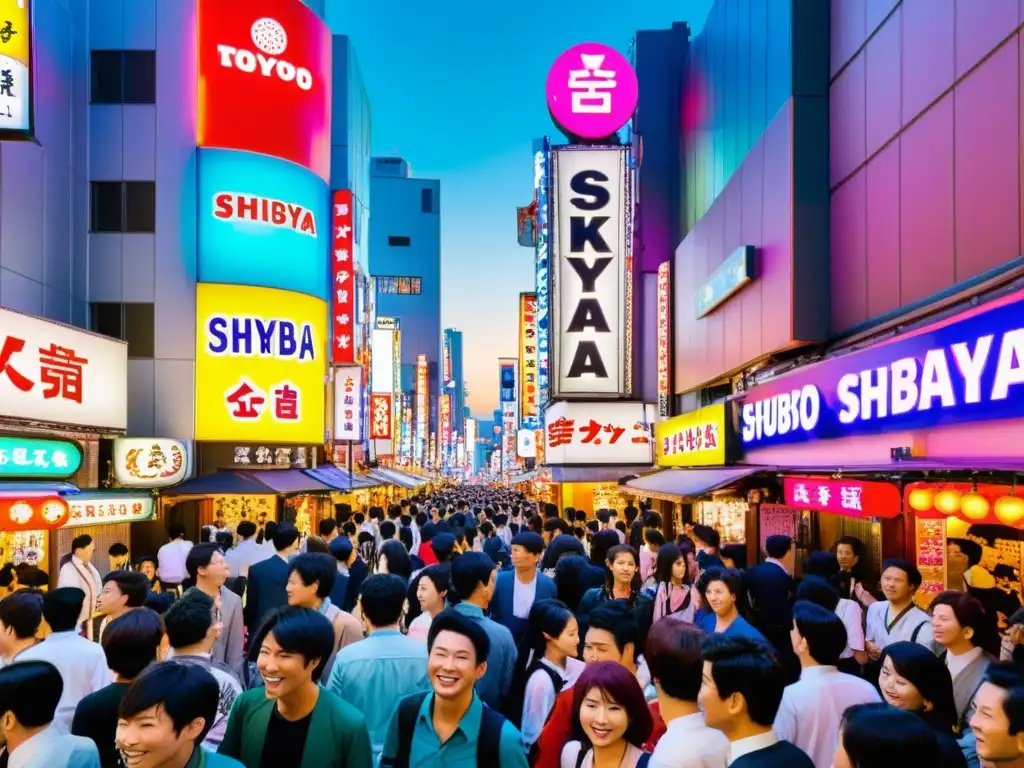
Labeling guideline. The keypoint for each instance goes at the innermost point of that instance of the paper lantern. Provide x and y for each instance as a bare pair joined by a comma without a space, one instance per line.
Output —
974,506
921,499
948,501
1009,509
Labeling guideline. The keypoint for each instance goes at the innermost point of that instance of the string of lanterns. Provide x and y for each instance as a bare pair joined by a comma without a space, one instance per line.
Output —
971,504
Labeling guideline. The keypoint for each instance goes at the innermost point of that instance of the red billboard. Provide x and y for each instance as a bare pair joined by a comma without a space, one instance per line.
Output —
343,283
265,80
380,417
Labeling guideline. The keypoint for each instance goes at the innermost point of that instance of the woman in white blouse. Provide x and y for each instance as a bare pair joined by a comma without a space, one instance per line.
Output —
611,718
431,591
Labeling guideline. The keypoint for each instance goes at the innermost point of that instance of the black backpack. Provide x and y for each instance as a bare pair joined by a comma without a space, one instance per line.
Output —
488,743
512,708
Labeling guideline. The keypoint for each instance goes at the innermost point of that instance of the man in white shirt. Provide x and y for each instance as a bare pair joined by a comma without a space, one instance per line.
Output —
812,708
81,663
80,572
171,558
241,557
29,696
673,657
897,618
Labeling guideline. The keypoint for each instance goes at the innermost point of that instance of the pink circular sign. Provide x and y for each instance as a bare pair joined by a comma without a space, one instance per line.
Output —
591,91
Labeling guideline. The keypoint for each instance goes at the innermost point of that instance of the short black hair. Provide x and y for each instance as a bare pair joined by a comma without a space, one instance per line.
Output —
31,691
188,621
62,607
708,535
315,568
81,542
469,571
778,545
443,544
117,549
159,601
731,577
246,529
132,585
199,557
183,691
304,632
383,599
749,668
341,548
130,642
388,530
327,526
616,618
450,620
397,556
877,734
22,612
553,524
913,574
815,589
530,541
1009,676
824,632
285,535
823,564
674,660
175,531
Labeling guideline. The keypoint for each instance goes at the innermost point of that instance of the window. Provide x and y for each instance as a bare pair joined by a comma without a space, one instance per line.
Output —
427,200
408,286
123,77
123,206
133,323
399,240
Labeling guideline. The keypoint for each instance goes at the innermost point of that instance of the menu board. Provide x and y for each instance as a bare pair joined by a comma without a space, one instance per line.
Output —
931,559
778,520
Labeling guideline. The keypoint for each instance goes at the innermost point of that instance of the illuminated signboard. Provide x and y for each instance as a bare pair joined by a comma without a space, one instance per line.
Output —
508,435
16,68
348,403
528,410
695,439
265,80
99,508
664,337
444,408
380,417
343,286
591,91
540,186
260,365
422,393
28,457
387,323
590,275
382,362
507,380
446,363
62,375
852,498
599,433
32,511
150,462
252,210
471,446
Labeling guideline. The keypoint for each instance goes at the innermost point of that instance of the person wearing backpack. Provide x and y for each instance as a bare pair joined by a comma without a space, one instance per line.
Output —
450,725
897,617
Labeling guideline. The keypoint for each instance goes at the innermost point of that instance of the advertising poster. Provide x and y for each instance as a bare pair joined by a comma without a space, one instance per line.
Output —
541,153
16,68
348,403
599,433
664,338
343,281
528,410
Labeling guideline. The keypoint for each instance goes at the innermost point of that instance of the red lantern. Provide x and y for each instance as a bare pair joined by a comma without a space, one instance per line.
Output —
32,511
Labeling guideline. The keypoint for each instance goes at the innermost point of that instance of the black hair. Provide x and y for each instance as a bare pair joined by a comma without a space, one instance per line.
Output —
778,545
824,632
388,530
547,618
131,584
341,548
405,536
530,541
285,535
816,590
81,542
731,577
443,545
131,641
327,526
175,531
1009,676
674,659
399,562
553,524
913,574
708,535
560,546
188,621
22,612
667,557
599,546
302,631
31,691
62,607
748,668
359,518
450,620
199,557
382,599
654,536
616,618
315,568
971,549
735,552
184,692
880,736
928,673
117,549
469,571
246,529
159,601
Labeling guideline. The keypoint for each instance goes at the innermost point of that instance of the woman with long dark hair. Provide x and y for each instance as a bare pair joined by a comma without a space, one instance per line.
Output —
431,592
672,594
394,558
561,546
621,583
877,736
610,719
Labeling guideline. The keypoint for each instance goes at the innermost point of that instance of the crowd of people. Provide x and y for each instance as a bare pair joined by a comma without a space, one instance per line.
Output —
473,627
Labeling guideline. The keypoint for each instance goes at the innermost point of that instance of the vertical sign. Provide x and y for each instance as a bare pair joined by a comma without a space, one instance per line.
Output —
343,284
446,363
528,410
508,435
540,186
422,393
380,417
590,273
444,407
664,337
15,68
348,400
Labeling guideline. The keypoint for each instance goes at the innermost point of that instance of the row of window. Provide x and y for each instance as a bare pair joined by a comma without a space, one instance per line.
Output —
399,241
122,206
404,285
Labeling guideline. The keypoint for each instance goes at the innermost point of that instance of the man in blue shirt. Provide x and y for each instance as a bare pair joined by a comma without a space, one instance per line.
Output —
450,726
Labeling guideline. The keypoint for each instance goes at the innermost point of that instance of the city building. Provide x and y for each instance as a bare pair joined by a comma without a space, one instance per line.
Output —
452,376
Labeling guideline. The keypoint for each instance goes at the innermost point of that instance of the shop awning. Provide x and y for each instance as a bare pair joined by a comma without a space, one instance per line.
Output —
412,477
393,477
58,488
523,478
339,479
691,483
595,474
288,481
224,482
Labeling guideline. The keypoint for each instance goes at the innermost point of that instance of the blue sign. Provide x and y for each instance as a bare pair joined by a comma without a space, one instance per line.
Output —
967,369
542,153
731,275
263,222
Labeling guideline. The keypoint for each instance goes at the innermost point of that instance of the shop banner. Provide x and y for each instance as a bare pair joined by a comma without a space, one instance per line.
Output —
422,394
26,457
380,417
591,91
108,508
852,498
542,150
444,412
695,439
507,374
526,444
32,511
664,337
599,433
528,407
343,281
150,462
348,403
969,368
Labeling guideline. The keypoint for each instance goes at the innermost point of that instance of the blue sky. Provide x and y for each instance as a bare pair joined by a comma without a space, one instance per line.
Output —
457,88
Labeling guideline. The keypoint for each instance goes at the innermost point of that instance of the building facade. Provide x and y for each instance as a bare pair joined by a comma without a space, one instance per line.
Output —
453,376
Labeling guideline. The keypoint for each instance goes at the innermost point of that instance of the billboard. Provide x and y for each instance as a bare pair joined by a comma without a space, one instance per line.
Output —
444,410
260,365
591,91
446,361
16,68
150,462
343,283
382,362
471,467
578,432
664,337
507,380
695,439
348,403
542,151
254,210
528,408
422,396
35,459
508,436
265,81
590,289
54,373
380,417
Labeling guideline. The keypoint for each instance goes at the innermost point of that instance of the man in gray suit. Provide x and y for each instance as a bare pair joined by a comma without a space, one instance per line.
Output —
209,570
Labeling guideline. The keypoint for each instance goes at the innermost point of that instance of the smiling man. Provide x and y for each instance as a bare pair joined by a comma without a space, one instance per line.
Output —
997,724
451,725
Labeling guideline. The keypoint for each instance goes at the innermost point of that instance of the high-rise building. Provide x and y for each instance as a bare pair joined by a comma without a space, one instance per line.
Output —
452,376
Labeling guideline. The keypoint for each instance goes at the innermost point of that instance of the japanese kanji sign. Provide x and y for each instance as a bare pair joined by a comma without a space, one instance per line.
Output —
105,508
853,498
270,456
150,462
422,393
591,91
32,511
16,90
348,403
664,337
695,439
599,433
444,413
27,457
528,384
55,373
343,283
381,417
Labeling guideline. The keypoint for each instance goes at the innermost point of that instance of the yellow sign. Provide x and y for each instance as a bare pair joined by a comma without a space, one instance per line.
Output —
528,356
260,364
695,439
15,66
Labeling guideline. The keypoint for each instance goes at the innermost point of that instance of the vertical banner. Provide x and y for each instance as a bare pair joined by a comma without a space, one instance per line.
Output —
444,408
16,74
446,362
380,417
343,284
422,395
508,436
664,338
529,413
542,150
348,400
